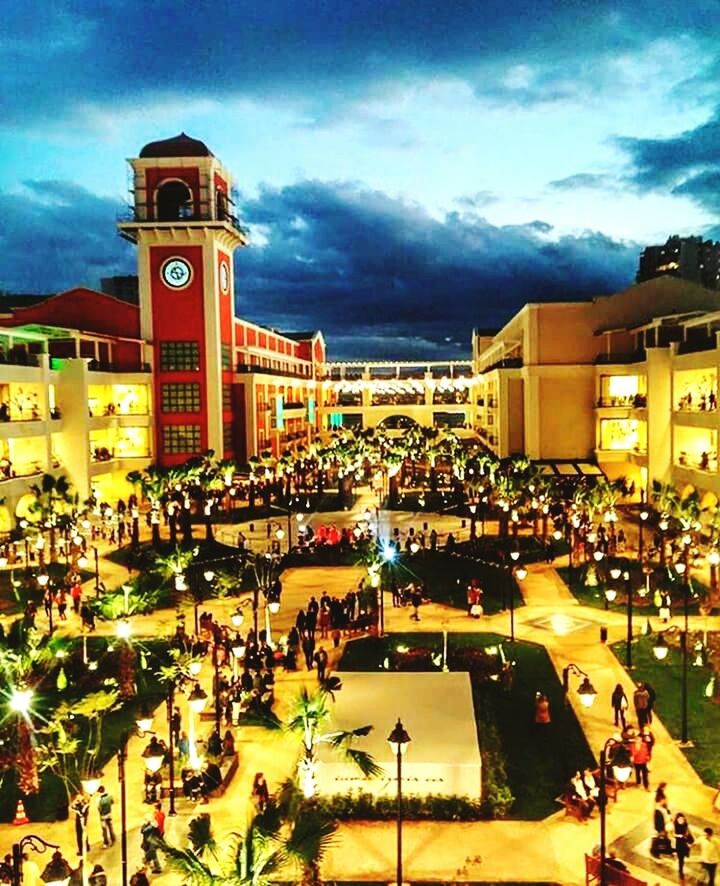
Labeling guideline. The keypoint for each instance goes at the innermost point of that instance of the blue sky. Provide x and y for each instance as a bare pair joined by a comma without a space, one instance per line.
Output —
408,169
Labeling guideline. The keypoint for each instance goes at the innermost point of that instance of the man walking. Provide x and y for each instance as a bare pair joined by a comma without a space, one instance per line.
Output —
641,700
105,804
709,854
321,660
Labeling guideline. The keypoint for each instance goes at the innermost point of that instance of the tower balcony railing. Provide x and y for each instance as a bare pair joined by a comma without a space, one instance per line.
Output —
139,214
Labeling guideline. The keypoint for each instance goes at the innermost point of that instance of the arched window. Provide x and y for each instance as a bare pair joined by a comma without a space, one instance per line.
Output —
174,200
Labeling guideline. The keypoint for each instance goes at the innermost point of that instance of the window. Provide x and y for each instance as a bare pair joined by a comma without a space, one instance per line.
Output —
181,439
179,356
181,397
227,398
227,436
226,356
174,200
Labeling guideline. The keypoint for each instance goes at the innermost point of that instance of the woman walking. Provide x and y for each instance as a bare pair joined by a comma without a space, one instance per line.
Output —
619,705
683,841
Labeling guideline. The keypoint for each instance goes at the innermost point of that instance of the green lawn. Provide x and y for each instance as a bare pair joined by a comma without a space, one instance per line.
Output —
595,596
447,576
538,761
703,712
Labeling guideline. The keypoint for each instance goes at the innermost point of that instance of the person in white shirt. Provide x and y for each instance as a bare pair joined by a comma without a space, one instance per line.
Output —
709,854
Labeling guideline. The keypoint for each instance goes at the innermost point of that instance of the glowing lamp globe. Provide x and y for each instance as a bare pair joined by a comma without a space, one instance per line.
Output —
20,700
598,555
521,573
680,568
610,594
195,667
615,573
557,535
43,579
90,784
3,560
587,693
366,515
124,629
375,580
714,557
660,649
414,547
280,534
237,618
82,561
197,699
274,607
398,739
208,575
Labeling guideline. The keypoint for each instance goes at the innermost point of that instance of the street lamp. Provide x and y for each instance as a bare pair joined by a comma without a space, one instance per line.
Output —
144,721
621,770
520,573
197,701
154,755
661,648
684,572
586,691
399,741
643,519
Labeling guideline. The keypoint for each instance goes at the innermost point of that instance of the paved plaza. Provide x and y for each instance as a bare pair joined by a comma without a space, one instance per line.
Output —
550,850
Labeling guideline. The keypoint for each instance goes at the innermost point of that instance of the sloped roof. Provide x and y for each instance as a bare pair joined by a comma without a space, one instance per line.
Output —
181,145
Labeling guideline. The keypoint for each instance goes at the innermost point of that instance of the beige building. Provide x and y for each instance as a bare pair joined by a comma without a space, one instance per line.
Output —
627,380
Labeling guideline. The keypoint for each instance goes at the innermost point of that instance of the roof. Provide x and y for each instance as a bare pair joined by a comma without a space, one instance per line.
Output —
10,301
179,146
300,336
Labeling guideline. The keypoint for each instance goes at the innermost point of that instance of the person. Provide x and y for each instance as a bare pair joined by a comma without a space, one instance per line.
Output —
640,756
619,704
652,696
140,877
683,841
308,648
159,817
416,600
105,804
260,791
183,746
149,838
542,709
59,866
614,862
81,808
661,816
321,660
214,745
709,854
641,700
175,724
228,747
579,792
97,877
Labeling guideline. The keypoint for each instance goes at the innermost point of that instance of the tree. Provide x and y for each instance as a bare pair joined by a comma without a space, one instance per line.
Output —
153,483
52,500
307,718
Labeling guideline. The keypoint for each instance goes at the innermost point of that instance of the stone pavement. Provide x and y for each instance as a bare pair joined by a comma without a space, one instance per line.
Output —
550,850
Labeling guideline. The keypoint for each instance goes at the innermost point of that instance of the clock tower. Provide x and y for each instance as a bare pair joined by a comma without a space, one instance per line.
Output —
186,234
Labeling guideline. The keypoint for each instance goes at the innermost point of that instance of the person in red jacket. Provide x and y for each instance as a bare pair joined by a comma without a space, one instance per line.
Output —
640,755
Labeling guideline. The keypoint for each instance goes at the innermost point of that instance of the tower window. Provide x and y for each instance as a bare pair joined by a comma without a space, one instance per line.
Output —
181,397
225,356
181,439
174,200
227,437
179,356
227,398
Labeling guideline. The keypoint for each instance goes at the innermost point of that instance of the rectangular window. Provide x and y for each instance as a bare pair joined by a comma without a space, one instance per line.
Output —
227,398
227,436
183,397
181,439
179,356
226,356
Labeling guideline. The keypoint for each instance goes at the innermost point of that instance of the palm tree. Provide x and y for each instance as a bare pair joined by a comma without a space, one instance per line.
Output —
153,483
308,715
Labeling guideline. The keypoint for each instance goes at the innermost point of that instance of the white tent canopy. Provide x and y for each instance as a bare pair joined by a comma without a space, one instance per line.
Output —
436,710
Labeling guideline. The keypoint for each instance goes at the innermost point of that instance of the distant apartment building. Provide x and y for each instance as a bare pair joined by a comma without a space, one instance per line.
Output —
691,258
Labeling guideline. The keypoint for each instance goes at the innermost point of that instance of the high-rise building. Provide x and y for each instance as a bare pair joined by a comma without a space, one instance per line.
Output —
691,258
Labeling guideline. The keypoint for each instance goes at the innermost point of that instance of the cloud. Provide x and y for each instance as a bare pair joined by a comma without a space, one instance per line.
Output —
687,164
379,275
478,200
61,58
584,181
55,235
345,258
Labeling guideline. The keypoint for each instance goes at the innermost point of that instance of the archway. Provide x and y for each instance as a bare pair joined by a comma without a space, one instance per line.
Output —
398,423
173,200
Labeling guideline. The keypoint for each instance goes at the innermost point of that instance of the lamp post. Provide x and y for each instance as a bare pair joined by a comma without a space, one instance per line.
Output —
45,585
197,701
97,571
684,573
514,571
615,573
121,756
586,690
714,560
399,741
643,519
32,841
621,770
171,746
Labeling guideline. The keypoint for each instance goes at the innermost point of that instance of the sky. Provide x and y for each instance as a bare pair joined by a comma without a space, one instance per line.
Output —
407,170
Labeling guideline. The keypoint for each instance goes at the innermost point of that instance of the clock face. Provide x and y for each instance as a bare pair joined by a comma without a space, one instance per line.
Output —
224,277
176,273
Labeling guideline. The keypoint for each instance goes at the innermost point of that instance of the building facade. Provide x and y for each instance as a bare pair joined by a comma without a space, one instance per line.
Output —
691,258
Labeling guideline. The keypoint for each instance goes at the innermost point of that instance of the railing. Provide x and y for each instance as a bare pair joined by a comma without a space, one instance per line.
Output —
138,214
8,473
693,347
507,363
100,366
294,406
638,401
267,370
621,359
19,358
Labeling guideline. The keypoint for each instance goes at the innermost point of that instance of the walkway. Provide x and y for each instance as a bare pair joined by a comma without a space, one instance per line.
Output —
551,850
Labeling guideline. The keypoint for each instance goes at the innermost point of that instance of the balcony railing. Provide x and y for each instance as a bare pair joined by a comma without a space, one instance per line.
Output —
637,401
19,358
125,366
267,370
621,359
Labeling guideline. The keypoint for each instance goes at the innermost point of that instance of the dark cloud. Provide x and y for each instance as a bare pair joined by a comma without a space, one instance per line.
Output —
55,235
687,164
60,56
584,181
345,258
478,200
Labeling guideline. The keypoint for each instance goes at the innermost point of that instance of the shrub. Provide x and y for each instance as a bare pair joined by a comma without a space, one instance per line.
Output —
362,806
